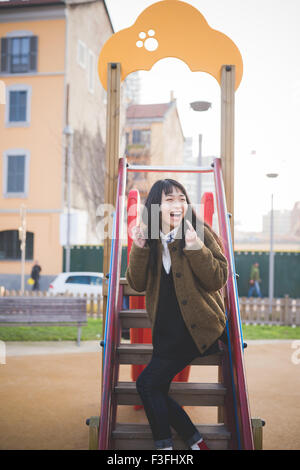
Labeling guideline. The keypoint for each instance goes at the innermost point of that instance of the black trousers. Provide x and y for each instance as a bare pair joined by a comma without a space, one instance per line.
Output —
162,411
36,285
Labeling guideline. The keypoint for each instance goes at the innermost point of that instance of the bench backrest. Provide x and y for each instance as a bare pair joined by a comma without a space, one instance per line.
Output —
42,309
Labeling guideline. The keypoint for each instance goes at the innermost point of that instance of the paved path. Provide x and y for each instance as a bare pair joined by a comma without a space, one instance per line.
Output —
47,390
28,348
15,348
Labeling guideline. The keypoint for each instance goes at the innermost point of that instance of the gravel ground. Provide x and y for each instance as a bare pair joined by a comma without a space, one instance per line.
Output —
48,390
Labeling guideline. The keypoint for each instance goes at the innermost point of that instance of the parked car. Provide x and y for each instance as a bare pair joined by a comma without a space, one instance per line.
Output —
77,283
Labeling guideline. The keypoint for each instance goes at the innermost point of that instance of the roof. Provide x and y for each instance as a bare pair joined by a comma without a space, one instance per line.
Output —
25,3
32,3
147,111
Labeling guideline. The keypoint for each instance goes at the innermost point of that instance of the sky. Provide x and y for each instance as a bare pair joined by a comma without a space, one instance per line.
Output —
267,102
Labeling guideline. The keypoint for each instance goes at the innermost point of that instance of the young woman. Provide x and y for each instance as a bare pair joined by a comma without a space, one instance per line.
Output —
182,270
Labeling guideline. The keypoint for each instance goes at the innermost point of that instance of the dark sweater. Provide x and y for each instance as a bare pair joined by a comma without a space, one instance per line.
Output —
171,338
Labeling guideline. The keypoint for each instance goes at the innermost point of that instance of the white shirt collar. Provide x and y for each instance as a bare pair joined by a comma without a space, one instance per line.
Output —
165,237
166,258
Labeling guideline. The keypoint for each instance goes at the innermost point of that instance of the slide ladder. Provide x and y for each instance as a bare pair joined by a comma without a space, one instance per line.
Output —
229,394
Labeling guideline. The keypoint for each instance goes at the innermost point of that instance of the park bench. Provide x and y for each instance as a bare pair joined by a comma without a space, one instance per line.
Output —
43,311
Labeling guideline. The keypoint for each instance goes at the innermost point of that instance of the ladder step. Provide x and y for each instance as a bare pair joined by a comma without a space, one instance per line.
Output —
185,393
135,318
127,290
141,354
139,436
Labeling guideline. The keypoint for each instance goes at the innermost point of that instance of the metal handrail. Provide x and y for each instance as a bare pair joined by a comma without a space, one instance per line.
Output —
108,291
110,326
170,169
235,344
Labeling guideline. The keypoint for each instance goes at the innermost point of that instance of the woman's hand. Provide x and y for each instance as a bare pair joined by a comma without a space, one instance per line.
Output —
190,235
138,236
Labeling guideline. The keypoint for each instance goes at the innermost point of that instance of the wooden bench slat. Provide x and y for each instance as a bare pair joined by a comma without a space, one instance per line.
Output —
41,309
32,311
42,303
77,324
40,318
41,300
44,307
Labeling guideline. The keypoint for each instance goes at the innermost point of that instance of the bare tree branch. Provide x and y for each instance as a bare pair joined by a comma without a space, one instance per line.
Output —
88,170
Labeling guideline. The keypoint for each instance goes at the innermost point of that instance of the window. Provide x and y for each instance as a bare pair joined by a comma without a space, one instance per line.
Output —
17,105
136,136
19,54
15,174
81,54
17,113
141,136
10,245
138,175
95,281
78,280
91,72
87,60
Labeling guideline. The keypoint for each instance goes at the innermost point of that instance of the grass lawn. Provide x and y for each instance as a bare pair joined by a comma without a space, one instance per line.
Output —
270,332
93,331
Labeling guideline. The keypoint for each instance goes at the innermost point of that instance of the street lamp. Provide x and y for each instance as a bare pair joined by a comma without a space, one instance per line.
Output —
200,106
68,132
271,258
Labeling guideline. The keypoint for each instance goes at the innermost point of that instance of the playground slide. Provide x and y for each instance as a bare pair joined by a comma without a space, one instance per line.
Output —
235,411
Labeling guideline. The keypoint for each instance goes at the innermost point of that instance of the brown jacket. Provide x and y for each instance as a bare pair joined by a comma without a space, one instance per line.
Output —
198,276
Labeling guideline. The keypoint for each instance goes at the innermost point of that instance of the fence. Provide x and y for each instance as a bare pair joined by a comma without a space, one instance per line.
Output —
255,310
286,268
286,272
94,302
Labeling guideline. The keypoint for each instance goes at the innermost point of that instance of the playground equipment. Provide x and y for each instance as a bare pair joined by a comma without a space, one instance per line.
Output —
234,430
156,34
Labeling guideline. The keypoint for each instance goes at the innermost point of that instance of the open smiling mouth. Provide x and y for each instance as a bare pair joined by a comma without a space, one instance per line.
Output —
175,215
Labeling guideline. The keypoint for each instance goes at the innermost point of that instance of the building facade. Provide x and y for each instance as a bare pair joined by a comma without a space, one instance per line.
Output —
153,137
49,52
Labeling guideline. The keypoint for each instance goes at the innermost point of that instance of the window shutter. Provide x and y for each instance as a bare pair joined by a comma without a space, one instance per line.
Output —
4,55
33,54
29,245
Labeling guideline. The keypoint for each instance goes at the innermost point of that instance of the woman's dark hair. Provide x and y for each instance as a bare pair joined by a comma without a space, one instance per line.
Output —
154,200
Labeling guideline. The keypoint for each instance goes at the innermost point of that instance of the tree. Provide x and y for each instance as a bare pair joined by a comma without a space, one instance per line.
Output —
88,170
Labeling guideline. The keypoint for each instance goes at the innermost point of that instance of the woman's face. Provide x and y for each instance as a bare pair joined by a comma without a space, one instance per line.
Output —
173,208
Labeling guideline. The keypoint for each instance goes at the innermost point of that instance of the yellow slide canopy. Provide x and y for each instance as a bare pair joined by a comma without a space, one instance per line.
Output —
170,28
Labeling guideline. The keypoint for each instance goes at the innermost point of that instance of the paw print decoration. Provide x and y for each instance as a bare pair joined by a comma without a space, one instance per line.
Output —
147,40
